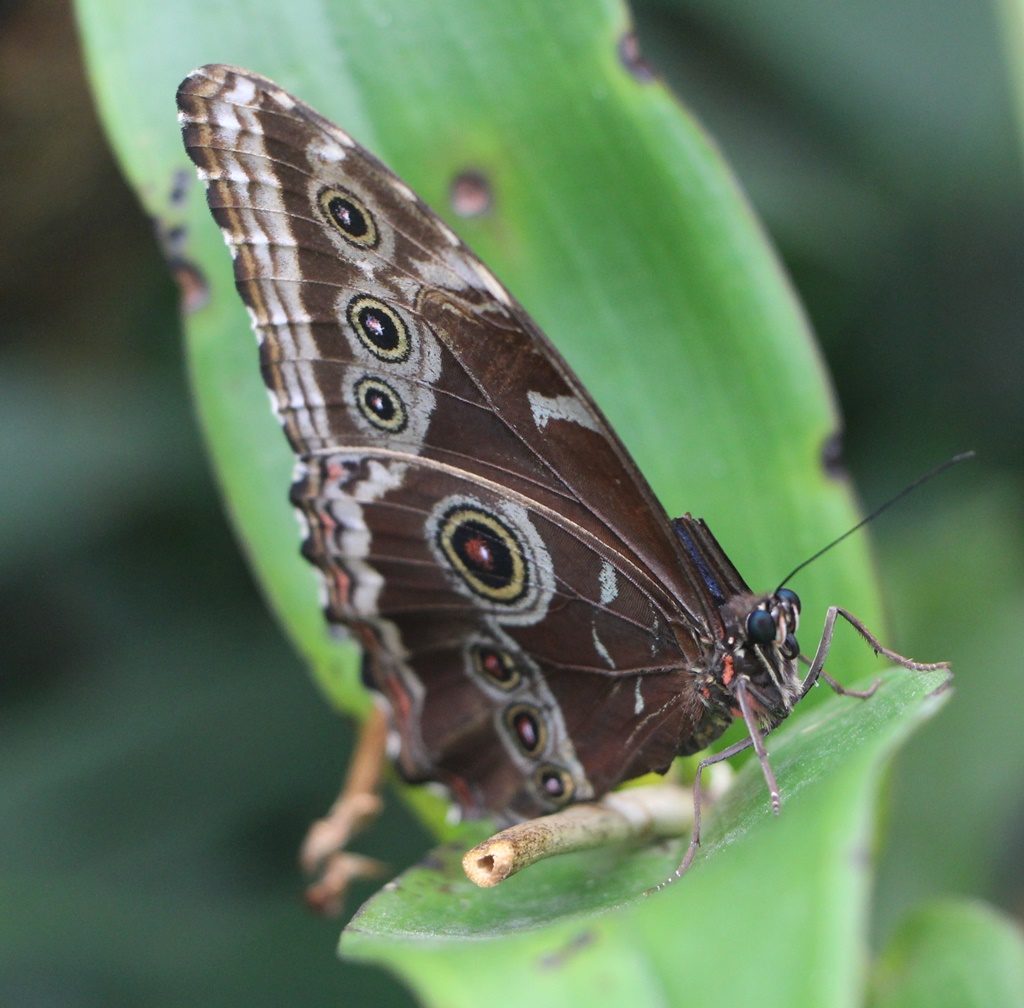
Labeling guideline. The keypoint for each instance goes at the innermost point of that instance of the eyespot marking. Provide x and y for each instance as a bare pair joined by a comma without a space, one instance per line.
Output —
381,405
496,666
380,328
527,728
484,552
553,784
349,216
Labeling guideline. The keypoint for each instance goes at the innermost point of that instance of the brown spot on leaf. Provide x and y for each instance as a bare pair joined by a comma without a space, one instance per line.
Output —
832,456
193,290
471,194
633,60
181,182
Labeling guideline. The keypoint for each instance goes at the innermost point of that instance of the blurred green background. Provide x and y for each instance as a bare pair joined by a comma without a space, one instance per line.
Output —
162,749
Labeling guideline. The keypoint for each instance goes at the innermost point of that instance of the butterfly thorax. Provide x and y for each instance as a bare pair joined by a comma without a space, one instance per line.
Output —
753,647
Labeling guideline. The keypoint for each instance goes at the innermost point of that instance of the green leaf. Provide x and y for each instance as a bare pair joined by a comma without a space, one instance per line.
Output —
773,912
952,954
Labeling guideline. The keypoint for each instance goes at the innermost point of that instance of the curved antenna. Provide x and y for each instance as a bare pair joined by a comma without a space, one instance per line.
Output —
942,467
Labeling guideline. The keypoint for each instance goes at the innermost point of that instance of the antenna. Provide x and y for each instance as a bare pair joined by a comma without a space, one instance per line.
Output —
931,474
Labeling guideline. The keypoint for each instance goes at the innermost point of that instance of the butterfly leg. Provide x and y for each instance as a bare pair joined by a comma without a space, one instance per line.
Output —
817,669
358,804
698,794
754,738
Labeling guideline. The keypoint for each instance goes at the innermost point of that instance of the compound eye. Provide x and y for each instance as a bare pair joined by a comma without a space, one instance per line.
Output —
790,648
789,597
760,627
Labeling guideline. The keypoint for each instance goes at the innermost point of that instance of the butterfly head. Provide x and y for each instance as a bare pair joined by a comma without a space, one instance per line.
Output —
761,651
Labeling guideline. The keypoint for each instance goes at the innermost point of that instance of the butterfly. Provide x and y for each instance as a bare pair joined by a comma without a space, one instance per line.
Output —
537,629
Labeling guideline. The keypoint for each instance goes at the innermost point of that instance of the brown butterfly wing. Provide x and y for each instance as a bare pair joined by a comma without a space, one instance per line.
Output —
479,527
518,690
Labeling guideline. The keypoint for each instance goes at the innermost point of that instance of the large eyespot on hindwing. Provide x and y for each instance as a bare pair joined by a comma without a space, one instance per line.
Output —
380,404
484,552
380,329
348,215
494,554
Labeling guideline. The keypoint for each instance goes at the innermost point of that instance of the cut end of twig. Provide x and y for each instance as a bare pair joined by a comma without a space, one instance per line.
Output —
490,862
636,815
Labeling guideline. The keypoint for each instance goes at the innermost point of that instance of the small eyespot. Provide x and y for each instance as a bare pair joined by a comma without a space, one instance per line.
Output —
496,666
348,215
380,328
381,405
554,784
790,647
760,627
527,727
